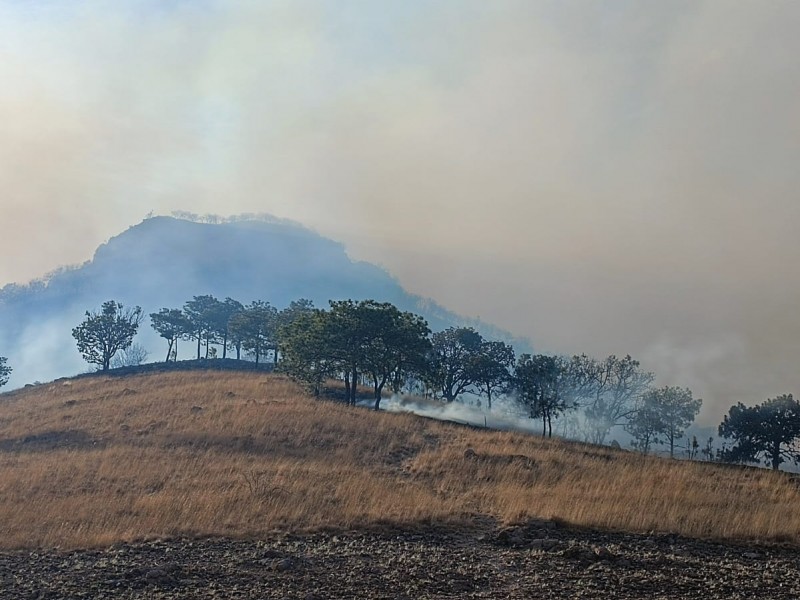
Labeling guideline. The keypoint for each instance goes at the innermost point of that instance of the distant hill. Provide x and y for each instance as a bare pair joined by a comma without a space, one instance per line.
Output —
164,261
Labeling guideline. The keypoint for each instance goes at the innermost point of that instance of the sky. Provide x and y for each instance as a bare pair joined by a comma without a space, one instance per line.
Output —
602,177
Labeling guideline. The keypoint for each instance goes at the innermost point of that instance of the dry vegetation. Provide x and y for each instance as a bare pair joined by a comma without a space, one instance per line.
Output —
96,460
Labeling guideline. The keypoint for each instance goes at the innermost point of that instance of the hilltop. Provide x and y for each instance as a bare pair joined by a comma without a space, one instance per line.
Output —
191,481
231,453
164,261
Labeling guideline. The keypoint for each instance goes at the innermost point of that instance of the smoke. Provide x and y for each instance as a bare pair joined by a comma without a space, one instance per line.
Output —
505,416
604,178
40,354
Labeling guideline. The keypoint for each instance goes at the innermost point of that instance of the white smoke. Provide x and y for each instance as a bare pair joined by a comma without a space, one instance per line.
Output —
505,416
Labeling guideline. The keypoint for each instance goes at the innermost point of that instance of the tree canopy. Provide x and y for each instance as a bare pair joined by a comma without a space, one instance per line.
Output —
102,334
255,328
767,432
543,386
5,371
171,324
661,416
454,361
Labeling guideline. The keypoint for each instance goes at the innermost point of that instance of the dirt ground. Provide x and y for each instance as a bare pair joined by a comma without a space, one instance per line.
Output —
536,560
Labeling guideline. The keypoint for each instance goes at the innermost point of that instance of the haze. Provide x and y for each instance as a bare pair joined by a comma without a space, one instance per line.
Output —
601,177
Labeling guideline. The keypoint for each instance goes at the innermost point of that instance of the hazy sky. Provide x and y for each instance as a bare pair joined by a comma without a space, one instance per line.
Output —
604,177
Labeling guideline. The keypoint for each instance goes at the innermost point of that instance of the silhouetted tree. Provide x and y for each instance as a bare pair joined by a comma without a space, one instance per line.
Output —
347,335
287,316
693,448
171,324
608,391
256,328
492,369
453,362
543,387
645,424
305,344
221,317
708,449
102,334
5,371
202,313
767,431
661,416
396,343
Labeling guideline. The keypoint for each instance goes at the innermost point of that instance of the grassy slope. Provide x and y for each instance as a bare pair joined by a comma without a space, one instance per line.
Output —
96,460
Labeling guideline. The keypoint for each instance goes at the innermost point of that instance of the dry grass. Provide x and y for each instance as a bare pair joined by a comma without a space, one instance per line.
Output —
97,460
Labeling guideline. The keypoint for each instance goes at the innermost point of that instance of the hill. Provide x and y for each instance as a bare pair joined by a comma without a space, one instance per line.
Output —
236,484
100,459
164,261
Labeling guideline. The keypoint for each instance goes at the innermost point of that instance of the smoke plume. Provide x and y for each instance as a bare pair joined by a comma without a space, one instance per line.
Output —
604,178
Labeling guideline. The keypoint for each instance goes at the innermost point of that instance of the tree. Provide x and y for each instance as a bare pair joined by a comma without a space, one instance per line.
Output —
645,424
767,431
608,391
5,371
202,313
306,351
133,356
102,334
347,336
543,387
455,352
492,369
708,449
677,410
396,343
171,324
661,417
287,316
255,328
221,316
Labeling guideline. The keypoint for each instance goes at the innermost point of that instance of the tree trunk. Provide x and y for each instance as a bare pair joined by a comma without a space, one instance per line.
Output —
489,396
225,344
238,351
169,350
379,392
549,427
199,339
347,386
544,426
776,455
354,389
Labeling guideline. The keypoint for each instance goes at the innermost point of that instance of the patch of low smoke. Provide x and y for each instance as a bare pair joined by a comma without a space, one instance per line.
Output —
44,351
505,415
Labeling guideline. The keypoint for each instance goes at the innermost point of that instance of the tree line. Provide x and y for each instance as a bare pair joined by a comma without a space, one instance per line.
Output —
376,344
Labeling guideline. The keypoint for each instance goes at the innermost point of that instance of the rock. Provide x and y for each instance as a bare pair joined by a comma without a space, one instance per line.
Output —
284,564
603,554
542,544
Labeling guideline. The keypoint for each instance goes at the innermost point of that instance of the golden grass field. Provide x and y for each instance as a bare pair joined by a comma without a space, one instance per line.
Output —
96,460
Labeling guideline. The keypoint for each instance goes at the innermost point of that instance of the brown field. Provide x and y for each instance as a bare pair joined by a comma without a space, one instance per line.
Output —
96,460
